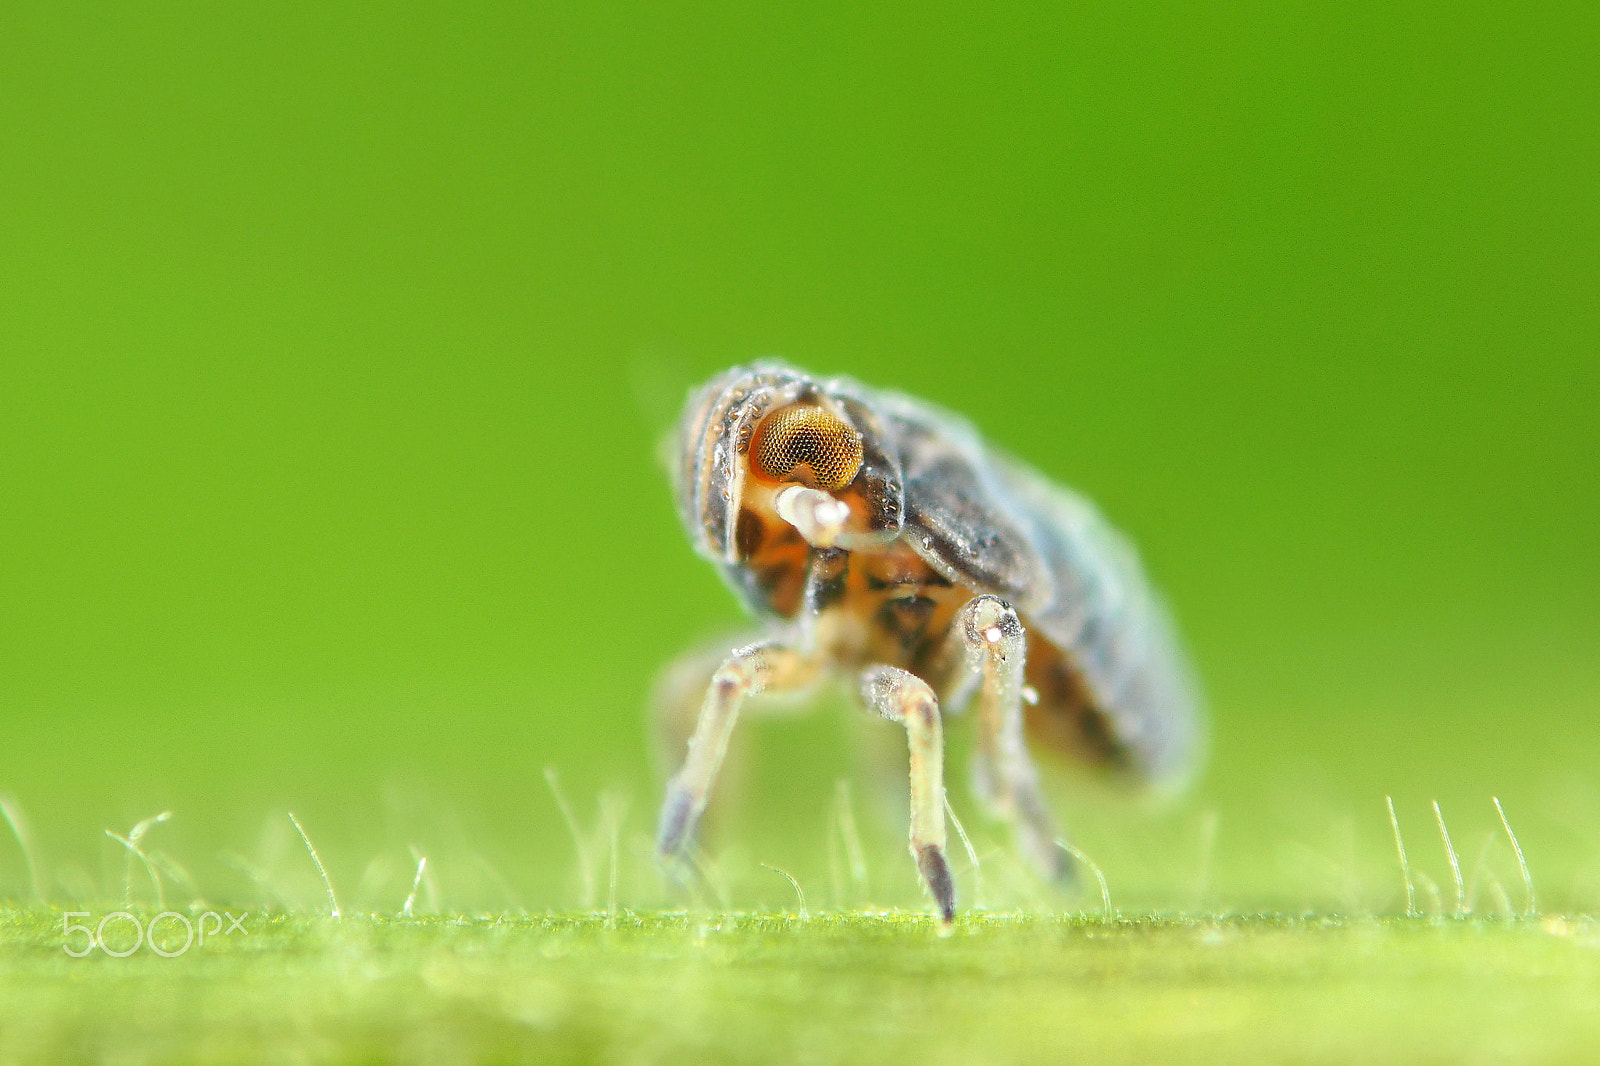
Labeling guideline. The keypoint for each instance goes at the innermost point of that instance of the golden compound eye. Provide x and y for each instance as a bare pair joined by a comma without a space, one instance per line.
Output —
804,443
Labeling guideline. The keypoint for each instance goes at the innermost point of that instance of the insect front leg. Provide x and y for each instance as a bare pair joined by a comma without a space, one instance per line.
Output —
676,697
1003,772
905,698
776,667
765,667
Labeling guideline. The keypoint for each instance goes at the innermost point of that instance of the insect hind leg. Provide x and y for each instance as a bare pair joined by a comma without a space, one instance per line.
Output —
1003,772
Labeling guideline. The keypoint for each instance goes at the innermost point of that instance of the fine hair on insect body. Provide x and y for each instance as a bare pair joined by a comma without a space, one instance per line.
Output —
878,540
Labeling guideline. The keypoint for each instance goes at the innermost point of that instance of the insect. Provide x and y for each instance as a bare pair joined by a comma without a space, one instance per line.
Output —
879,540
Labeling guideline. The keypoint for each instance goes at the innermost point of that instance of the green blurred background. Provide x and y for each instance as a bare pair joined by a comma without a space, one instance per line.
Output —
335,341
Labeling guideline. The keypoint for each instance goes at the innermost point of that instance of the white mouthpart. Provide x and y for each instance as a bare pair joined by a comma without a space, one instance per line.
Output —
819,517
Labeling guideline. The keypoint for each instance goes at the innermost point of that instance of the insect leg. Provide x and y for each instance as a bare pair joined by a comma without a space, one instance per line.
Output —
679,691
906,698
763,667
1003,771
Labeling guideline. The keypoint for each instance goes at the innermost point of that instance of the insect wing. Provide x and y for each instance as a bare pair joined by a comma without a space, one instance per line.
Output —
993,524
956,514
1103,611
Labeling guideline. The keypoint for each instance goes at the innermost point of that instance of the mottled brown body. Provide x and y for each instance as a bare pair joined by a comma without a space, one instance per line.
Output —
879,537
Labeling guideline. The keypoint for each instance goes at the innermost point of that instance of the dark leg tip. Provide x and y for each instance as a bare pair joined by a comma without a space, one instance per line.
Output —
1048,855
936,873
678,817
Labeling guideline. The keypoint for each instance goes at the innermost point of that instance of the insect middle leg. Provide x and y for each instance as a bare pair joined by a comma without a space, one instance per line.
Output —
764,667
1004,774
903,697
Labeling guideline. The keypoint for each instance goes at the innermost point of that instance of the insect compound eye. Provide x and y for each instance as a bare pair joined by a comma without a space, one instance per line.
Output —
804,443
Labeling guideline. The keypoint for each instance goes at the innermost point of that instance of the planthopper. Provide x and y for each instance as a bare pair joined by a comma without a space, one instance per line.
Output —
880,542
